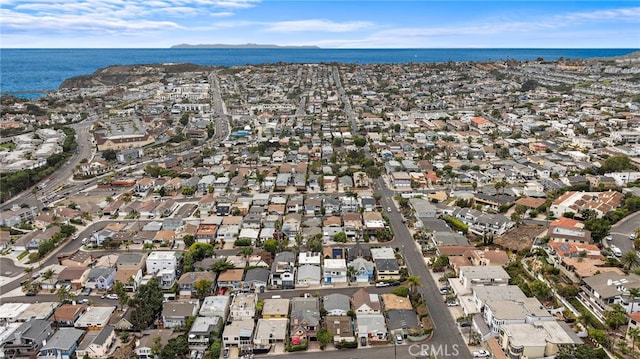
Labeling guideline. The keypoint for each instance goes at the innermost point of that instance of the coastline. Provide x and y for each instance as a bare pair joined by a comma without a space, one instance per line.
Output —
30,71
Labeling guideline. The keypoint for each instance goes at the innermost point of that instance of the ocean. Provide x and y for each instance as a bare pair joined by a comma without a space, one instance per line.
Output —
27,72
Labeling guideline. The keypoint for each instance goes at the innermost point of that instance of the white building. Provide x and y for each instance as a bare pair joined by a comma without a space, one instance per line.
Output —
161,260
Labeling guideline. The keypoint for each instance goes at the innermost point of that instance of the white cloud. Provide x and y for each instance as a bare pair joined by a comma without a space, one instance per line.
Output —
317,25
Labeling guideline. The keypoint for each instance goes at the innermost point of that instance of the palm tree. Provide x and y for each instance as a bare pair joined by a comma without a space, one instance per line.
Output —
633,333
414,282
48,275
29,286
630,260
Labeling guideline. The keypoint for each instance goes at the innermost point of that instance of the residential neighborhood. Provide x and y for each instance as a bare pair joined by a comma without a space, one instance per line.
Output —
263,210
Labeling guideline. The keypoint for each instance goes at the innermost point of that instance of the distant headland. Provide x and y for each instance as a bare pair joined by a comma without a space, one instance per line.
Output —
241,46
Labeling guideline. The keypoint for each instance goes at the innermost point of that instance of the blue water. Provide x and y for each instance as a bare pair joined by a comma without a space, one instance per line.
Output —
25,70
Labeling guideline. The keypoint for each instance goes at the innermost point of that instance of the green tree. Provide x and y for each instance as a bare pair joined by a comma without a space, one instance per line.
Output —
121,292
616,164
146,304
315,244
615,317
634,334
109,155
540,289
221,265
340,237
202,287
630,260
414,282
270,245
184,119
401,291
48,275
324,337
64,295
441,262
599,228
188,240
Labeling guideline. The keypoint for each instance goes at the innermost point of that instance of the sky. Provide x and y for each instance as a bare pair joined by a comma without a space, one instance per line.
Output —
326,23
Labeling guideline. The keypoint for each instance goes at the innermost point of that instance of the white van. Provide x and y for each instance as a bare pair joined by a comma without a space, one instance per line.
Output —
616,251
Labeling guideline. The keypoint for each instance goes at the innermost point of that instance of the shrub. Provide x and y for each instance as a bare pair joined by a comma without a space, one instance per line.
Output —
242,242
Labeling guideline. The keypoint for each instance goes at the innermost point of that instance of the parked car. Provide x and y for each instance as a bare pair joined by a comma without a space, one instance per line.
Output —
444,290
84,301
464,324
112,296
399,339
389,209
363,341
86,291
632,236
382,284
609,238
481,353
452,304
225,353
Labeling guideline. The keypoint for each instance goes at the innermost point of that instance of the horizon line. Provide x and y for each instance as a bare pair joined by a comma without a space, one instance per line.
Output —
310,47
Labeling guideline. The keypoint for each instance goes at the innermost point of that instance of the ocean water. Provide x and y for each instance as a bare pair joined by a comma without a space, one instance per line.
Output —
25,72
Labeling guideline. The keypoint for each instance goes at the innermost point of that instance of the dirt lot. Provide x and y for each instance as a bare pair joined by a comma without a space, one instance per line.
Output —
520,238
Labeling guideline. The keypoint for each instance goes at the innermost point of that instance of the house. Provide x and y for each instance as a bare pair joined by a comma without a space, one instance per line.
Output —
145,344
568,230
308,275
576,202
313,258
336,304
129,277
283,270
372,326
166,277
174,314
334,271
188,280
487,257
131,260
373,222
95,318
62,344
215,306
527,310
275,308
243,306
27,339
603,290
269,332
540,339
387,269
484,275
402,321
162,260
66,315
363,270
230,280
201,332
96,344
364,302
239,333
304,318
73,276
256,280
100,278
341,327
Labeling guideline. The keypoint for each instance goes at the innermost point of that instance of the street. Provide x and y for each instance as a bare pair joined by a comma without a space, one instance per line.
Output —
445,332
620,232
